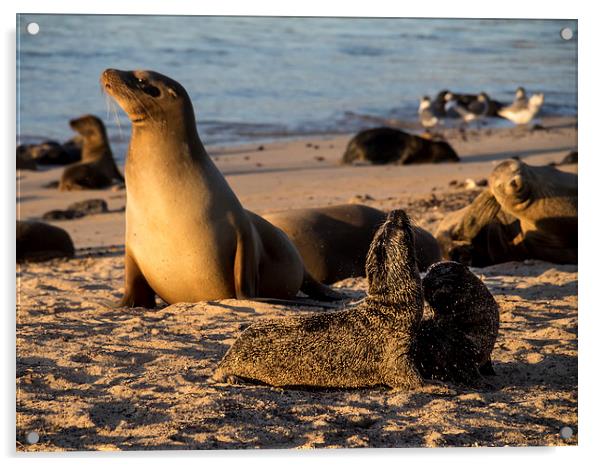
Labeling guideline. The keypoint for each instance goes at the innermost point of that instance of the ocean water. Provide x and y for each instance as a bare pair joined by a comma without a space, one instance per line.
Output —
261,78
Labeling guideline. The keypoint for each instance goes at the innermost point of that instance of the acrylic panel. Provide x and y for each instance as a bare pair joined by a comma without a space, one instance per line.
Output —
294,232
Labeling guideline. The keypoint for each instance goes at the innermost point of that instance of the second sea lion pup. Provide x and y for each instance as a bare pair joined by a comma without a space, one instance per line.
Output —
364,346
188,238
456,343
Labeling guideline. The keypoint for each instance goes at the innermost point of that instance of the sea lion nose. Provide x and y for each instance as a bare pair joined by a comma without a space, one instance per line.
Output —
109,75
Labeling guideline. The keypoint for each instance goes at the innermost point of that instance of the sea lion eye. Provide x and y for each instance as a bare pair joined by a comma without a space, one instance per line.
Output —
149,89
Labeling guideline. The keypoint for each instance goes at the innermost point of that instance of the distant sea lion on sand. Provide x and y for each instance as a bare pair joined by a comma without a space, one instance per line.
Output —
388,145
50,153
97,168
456,343
188,238
334,241
360,347
37,241
527,212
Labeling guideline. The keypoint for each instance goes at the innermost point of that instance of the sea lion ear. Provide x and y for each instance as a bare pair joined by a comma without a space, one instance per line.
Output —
172,92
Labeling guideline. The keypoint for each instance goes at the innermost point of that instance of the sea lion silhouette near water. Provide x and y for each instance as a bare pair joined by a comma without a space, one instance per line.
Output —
334,240
364,346
188,238
456,343
97,168
389,145
527,212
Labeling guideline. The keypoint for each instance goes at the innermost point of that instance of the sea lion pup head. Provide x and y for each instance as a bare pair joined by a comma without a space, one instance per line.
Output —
391,266
451,289
88,126
91,128
511,182
149,98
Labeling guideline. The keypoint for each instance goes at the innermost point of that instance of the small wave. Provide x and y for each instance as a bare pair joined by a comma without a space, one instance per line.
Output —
362,50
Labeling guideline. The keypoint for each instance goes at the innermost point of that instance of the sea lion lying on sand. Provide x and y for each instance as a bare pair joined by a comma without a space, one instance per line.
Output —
37,241
359,347
527,213
334,241
97,168
388,145
456,343
50,152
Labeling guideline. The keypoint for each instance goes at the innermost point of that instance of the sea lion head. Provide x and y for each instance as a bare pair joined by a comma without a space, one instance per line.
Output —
391,257
511,183
448,288
90,127
147,96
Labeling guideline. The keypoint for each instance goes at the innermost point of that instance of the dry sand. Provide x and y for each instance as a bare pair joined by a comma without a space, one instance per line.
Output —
90,377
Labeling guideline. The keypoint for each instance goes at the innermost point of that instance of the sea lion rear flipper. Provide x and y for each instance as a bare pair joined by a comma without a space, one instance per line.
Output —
314,289
138,293
245,265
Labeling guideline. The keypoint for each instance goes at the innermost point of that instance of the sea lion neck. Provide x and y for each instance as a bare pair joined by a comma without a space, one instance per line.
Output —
95,144
177,129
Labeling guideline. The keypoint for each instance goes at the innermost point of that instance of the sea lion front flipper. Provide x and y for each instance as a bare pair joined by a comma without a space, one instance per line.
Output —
316,290
138,292
404,376
483,210
245,265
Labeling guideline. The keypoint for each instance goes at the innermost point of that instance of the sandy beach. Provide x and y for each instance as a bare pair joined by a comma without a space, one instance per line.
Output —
94,378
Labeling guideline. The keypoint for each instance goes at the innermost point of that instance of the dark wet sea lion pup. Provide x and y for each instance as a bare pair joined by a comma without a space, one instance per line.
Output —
456,343
389,145
50,153
359,347
37,241
528,212
188,238
334,241
97,169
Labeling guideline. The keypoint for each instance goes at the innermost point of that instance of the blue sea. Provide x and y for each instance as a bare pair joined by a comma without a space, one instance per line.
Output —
263,78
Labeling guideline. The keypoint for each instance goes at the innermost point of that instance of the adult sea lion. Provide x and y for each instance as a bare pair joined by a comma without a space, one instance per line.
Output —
37,241
389,145
527,213
97,168
334,241
188,238
359,347
456,343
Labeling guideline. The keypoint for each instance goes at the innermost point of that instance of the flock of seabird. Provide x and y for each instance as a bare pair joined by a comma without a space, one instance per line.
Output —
470,108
